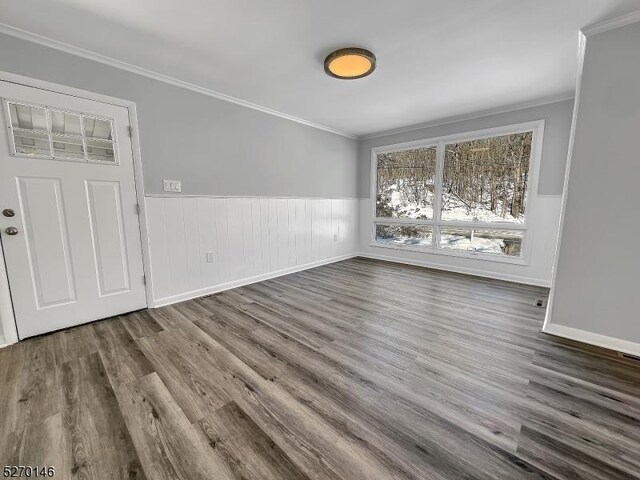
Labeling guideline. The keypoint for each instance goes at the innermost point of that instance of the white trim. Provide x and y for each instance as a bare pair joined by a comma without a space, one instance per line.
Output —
64,89
537,126
246,281
591,338
7,318
284,197
452,253
582,45
548,326
436,233
87,54
142,204
451,223
112,62
611,24
471,116
463,136
538,282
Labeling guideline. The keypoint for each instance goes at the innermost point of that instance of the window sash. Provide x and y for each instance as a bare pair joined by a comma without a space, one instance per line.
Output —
452,223
435,247
437,223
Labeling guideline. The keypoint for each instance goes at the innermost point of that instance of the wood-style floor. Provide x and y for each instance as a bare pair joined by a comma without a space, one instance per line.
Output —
356,370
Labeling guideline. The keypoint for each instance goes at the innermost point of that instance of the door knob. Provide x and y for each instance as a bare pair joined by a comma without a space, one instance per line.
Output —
7,212
11,231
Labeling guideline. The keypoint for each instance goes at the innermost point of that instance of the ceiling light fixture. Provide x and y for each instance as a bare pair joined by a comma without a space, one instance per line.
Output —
350,63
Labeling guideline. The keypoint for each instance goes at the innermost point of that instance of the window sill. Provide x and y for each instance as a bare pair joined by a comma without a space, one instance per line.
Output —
451,253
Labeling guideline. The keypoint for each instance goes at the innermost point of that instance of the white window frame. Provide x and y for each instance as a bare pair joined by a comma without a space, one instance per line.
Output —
537,127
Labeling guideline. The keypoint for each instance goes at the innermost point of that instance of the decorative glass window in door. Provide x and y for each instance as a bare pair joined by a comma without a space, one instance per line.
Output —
43,132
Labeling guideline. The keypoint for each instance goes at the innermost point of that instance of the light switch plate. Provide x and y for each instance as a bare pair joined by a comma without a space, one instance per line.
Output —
173,186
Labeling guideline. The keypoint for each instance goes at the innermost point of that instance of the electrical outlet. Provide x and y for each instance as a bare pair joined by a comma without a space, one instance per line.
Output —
210,257
173,186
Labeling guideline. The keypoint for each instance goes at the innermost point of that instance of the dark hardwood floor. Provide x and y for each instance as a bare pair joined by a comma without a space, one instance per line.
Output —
356,370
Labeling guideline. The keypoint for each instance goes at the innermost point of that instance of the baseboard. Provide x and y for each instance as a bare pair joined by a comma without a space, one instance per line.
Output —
591,338
6,343
538,282
246,281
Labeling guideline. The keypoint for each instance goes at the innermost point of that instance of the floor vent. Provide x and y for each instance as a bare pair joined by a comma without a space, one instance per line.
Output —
540,302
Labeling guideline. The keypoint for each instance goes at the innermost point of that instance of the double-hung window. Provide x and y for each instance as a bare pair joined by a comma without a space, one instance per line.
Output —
461,195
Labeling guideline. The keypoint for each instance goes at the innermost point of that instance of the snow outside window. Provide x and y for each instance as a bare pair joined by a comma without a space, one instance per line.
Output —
462,195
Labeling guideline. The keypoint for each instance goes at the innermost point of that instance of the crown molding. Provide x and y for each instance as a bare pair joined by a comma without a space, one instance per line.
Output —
611,24
472,116
112,62
103,59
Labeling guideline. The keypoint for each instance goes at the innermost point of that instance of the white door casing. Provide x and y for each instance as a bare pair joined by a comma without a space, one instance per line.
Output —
77,254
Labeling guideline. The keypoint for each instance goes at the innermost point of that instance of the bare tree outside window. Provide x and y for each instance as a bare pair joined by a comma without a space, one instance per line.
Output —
407,183
481,182
486,180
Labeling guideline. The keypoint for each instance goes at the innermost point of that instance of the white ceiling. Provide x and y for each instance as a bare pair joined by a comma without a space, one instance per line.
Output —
437,59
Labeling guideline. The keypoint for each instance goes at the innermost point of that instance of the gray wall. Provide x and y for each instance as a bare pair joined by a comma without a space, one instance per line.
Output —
554,152
597,286
214,147
543,219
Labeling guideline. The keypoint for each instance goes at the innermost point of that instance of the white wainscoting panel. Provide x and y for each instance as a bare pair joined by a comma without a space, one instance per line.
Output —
249,239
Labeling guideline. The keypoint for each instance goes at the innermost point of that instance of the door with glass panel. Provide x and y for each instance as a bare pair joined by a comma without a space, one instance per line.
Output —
68,210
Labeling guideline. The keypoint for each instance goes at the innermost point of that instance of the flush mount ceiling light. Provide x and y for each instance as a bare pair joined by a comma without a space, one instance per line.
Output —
350,63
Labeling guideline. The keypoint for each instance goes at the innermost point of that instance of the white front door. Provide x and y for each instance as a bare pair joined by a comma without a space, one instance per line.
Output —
68,210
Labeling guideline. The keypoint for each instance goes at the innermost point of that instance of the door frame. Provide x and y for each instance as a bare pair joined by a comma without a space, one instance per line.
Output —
7,317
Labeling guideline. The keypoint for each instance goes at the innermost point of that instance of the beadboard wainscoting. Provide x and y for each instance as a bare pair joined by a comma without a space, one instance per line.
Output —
200,245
